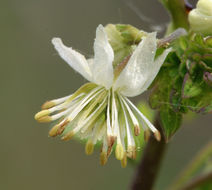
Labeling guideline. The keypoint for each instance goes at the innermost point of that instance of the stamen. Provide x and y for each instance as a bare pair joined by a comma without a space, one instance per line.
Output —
110,138
45,119
97,100
53,131
89,147
41,114
89,120
86,88
62,126
65,104
68,135
119,152
130,140
98,131
157,135
115,125
54,102
102,131
124,161
85,101
149,124
113,110
109,130
103,154
133,118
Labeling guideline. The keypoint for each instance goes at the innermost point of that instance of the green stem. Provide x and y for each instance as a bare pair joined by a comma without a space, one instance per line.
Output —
150,163
178,14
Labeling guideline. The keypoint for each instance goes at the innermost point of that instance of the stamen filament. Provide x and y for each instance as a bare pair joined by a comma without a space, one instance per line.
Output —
133,118
142,116
84,102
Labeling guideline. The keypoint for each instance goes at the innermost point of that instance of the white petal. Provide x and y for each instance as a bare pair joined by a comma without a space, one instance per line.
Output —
155,69
76,60
136,73
102,68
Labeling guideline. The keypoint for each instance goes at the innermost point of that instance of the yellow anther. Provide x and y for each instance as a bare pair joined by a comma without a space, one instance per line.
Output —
146,135
53,131
157,135
110,141
103,158
48,105
131,152
124,161
137,130
68,136
89,147
119,152
41,114
62,126
44,119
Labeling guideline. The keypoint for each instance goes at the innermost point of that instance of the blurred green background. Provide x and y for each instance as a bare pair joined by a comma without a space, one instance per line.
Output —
31,72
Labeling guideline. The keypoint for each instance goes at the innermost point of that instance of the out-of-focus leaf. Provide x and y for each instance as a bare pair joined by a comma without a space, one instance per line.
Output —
201,165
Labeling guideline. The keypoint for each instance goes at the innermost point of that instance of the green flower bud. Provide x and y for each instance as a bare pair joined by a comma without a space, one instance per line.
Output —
200,19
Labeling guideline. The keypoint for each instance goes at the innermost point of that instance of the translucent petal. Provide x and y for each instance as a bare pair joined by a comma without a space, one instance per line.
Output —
155,69
102,68
73,58
138,69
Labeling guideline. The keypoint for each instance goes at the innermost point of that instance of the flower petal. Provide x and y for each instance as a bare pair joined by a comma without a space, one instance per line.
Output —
76,60
155,68
136,73
102,68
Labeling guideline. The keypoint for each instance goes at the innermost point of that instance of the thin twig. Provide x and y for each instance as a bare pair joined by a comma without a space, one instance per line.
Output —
197,181
150,163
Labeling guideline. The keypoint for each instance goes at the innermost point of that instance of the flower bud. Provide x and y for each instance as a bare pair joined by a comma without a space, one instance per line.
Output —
200,19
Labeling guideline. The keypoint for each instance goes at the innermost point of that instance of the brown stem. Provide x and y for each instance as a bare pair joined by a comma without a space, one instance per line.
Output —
197,181
150,163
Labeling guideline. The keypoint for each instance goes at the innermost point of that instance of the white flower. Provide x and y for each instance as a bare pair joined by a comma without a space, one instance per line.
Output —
100,110
200,19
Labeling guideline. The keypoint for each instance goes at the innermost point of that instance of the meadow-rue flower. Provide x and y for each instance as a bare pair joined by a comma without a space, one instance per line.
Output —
200,19
100,109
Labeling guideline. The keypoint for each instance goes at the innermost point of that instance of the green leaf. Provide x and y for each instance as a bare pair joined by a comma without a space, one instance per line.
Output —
166,96
170,120
200,167
190,88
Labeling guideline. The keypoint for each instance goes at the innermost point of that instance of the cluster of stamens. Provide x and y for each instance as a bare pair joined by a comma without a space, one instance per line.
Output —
97,114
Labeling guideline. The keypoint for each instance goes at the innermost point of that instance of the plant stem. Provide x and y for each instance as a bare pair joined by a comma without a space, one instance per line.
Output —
150,163
197,181
178,14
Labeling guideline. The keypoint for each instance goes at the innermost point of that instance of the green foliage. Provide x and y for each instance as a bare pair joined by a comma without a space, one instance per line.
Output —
184,82
201,165
166,96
